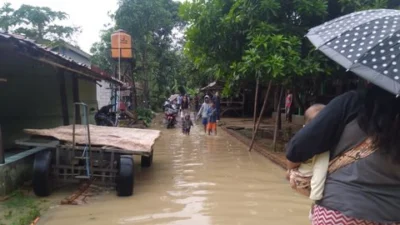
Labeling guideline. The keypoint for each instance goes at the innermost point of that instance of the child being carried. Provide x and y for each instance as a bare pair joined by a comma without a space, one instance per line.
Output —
309,178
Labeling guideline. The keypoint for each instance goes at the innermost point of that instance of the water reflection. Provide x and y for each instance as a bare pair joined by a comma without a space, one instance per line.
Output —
190,214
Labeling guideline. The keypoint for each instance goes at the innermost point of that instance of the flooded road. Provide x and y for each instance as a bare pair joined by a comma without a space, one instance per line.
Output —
196,180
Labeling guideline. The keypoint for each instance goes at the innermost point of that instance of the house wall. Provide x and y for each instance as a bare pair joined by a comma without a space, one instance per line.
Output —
31,96
103,94
87,95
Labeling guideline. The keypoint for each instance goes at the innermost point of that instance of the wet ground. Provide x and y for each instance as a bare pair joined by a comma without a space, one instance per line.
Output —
196,179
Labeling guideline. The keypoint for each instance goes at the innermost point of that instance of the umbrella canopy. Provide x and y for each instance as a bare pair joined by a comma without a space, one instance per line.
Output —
366,43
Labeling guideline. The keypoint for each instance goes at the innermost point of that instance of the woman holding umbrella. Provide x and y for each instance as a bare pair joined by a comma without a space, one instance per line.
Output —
367,188
361,130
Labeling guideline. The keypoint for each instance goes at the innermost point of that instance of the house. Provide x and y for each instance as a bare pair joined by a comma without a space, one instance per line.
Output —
233,104
74,53
104,88
38,88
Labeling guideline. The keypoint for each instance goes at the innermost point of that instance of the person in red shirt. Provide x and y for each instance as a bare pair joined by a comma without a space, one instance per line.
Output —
288,106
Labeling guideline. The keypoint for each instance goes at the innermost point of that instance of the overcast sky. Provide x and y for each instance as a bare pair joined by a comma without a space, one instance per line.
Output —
90,15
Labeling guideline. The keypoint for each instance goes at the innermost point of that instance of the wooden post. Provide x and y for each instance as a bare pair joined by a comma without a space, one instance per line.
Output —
278,121
146,93
243,102
260,116
2,156
297,98
63,97
75,93
255,104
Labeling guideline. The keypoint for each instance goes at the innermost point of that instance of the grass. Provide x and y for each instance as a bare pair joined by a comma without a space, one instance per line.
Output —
21,209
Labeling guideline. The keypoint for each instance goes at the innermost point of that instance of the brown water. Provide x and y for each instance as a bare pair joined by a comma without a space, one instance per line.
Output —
196,179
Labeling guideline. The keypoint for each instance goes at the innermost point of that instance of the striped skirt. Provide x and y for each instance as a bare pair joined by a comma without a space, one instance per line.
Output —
324,216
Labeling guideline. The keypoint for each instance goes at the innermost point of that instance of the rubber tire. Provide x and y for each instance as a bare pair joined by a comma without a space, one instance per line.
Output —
41,181
125,177
146,161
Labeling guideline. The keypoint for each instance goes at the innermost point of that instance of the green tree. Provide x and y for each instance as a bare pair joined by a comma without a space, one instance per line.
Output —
150,23
349,6
228,36
101,51
159,62
240,39
40,23
7,18
261,39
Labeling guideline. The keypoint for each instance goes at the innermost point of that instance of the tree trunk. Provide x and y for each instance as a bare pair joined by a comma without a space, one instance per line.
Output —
134,93
279,118
276,93
40,35
2,155
297,99
255,104
278,122
146,80
260,116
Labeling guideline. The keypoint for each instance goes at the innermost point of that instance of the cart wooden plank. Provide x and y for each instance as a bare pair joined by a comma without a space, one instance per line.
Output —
35,142
117,139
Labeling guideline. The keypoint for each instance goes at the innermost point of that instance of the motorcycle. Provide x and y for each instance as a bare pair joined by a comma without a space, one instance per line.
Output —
104,117
171,112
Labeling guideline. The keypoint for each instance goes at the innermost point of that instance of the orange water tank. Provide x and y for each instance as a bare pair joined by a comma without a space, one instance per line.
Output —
121,45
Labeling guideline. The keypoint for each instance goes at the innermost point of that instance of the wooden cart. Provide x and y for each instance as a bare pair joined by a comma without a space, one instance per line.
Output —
61,163
87,152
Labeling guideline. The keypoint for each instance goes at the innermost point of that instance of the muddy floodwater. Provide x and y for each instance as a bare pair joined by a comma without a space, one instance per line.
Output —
196,179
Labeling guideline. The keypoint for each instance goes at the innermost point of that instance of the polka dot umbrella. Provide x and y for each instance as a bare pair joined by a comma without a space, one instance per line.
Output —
366,43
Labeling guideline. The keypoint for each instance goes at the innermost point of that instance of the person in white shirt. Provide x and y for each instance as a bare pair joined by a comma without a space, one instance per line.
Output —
203,112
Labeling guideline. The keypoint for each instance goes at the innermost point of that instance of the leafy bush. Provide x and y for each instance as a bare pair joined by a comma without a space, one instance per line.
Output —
146,115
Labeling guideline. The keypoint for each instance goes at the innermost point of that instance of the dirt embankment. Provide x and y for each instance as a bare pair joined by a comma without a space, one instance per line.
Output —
242,129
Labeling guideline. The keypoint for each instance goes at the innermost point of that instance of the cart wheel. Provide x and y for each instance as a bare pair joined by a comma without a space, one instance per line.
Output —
147,161
125,177
42,182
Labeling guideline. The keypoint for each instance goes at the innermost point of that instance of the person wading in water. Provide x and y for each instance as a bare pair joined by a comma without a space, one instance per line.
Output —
203,112
185,106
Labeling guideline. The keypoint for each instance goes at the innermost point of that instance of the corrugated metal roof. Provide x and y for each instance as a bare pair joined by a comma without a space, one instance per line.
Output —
21,41
73,48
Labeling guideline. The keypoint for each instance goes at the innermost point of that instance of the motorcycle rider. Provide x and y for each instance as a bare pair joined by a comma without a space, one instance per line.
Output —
171,112
102,117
